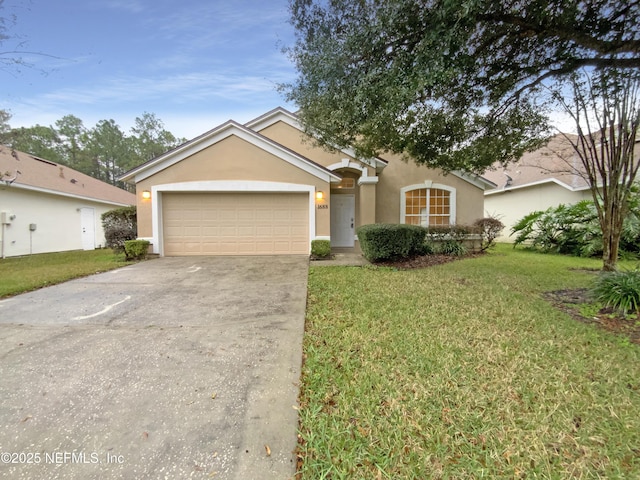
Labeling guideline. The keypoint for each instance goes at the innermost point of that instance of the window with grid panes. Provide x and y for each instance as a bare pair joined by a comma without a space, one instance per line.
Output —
427,207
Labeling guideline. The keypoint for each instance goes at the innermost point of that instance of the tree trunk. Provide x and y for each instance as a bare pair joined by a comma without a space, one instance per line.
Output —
611,232
609,255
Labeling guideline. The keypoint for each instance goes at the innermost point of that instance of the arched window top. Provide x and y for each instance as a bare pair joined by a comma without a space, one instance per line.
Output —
428,204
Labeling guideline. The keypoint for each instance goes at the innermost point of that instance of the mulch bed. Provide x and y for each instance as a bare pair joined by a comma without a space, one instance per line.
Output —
569,301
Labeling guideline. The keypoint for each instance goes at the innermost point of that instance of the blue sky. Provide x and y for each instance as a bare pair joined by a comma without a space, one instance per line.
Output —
193,63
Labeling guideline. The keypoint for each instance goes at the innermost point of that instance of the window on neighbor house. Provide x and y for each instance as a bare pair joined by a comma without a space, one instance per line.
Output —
428,207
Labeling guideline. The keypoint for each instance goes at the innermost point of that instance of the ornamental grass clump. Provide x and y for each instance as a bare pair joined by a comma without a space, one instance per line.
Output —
619,290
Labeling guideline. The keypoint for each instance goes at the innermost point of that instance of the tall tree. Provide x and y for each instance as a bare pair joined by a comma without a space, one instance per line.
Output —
103,152
73,135
109,149
5,128
150,139
454,85
605,106
38,140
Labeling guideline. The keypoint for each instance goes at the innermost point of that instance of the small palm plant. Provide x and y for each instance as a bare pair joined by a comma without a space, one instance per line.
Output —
619,290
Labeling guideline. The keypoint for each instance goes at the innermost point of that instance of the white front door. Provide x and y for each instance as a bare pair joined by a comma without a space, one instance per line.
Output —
88,226
343,209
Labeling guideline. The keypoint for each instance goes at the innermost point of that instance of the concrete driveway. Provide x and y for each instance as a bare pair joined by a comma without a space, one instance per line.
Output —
172,368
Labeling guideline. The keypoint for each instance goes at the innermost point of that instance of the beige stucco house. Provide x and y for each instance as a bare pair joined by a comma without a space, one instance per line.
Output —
47,207
265,188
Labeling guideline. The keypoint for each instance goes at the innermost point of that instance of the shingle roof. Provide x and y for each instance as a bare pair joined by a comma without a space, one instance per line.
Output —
554,161
22,169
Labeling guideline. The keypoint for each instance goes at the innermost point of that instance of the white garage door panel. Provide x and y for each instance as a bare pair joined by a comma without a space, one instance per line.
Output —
235,223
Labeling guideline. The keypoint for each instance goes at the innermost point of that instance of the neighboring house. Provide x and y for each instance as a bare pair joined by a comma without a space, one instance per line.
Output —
47,207
541,179
263,188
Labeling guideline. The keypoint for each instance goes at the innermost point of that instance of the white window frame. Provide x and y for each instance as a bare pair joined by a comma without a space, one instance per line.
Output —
428,184
343,184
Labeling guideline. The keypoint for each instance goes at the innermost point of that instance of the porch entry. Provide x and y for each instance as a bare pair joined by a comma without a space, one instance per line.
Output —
343,218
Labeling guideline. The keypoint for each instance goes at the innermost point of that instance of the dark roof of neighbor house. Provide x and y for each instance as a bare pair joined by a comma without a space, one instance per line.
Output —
28,171
555,162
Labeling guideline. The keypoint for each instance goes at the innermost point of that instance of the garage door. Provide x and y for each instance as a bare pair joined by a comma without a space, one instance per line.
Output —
235,223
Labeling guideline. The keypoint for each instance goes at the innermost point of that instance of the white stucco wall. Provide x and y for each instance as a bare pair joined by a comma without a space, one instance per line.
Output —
57,220
509,206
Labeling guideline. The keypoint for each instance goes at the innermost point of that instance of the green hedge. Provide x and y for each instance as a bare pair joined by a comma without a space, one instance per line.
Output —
383,241
136,249
321,248
119,226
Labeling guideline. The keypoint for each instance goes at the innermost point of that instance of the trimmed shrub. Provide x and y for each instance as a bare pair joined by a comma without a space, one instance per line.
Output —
384,241
119,226
488,228
619,290
136,249
321,248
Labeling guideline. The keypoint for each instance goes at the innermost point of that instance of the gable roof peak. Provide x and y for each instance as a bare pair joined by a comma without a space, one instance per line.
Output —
277,114
222,131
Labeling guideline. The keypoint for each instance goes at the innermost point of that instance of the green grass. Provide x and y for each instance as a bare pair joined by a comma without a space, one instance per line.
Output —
22,274
464,371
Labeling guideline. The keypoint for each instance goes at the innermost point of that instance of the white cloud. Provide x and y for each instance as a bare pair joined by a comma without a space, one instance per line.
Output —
219,31
199,62
198,101
562,122
131,6
179,88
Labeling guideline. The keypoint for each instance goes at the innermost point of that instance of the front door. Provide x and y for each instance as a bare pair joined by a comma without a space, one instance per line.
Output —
343,209
88,225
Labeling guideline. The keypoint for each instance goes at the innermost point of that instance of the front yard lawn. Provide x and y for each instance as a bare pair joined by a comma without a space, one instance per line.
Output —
464,370
22,274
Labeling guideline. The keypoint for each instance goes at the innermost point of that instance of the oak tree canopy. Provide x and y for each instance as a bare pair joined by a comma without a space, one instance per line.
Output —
452,84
